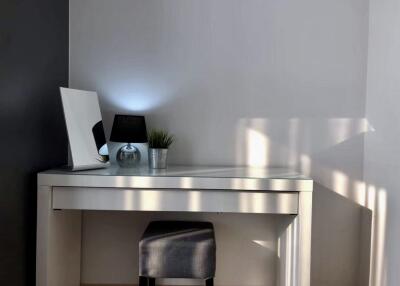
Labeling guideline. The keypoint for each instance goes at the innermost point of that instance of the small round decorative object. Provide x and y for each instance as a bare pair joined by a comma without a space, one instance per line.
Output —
128,156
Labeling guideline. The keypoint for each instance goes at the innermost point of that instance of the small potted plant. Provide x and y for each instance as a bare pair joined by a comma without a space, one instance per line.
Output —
159,142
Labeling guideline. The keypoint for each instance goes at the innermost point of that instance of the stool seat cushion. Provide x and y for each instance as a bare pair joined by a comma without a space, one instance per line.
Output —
177,249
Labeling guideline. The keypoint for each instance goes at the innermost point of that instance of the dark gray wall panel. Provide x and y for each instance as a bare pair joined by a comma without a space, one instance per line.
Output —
33,64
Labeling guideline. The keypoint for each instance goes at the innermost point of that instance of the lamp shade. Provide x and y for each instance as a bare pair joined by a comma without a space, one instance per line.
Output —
129,129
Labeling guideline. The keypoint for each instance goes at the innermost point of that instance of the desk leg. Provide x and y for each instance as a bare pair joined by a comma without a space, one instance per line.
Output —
303,223
295,246
58,250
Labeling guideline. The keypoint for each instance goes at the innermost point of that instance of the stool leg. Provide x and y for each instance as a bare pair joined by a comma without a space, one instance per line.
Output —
210,282
143,281
152,281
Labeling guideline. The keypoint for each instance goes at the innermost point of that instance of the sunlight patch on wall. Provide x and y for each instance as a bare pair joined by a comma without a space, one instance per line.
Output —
340,183
257,148
342,129
360,192
305,164
266,244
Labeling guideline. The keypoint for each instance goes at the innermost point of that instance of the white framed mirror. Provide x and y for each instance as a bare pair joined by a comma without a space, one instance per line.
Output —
87,141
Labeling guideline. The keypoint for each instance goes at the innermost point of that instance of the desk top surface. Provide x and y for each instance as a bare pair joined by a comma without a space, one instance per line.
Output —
182,177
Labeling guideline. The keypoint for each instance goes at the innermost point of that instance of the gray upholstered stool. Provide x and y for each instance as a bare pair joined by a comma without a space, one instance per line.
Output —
177,249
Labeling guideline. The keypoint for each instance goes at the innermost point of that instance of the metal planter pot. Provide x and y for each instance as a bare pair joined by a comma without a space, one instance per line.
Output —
158,158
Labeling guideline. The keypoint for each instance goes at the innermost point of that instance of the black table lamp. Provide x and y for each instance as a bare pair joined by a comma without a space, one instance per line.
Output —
128,129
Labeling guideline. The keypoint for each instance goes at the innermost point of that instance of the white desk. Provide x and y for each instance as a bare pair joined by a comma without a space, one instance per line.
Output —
62,195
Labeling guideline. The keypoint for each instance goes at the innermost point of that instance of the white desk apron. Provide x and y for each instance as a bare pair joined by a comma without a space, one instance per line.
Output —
62,195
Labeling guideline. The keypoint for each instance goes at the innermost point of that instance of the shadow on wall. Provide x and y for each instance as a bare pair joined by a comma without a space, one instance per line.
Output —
345,207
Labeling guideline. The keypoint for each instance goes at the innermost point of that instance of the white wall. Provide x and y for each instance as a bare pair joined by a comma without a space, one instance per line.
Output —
213,71
255,82
382,147
259,82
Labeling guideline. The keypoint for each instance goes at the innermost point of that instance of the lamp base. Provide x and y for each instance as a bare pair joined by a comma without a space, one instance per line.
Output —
128,156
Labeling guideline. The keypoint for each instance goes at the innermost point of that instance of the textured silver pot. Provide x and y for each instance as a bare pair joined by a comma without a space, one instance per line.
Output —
158,158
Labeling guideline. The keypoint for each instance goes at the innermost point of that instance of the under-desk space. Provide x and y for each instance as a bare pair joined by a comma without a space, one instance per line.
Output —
247,246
